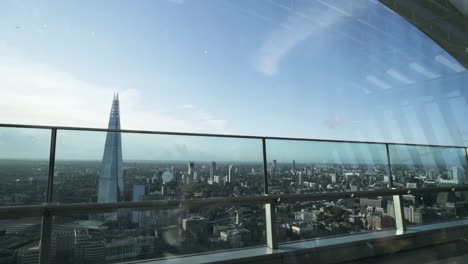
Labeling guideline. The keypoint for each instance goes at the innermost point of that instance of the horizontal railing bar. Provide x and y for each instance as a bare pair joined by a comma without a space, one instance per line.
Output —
128,131
220,135
66,209
340,195
22,211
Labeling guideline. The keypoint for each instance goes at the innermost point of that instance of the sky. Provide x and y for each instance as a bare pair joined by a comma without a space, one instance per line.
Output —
328,69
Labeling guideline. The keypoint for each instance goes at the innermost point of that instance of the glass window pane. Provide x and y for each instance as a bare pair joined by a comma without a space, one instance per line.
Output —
315,219
24,165
96,166
19,240
138,235
297,167
421,166
433,207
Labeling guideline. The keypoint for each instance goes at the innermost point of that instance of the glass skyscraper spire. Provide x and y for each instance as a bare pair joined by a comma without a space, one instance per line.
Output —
111,184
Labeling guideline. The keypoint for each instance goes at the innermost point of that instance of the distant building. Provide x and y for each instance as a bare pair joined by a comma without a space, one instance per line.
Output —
139,191
301,182
413,215
28,254
191,167
88,249
236,237
218,179
62,246
370,202
456,176
230,174
212,170
306,216
111,182
218,228
127,248
195,226
333,177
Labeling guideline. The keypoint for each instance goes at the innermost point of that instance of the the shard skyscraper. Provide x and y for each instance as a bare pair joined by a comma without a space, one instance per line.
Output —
111,183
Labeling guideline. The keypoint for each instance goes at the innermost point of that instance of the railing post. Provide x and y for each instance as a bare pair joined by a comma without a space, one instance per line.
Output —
265,167
46,228
46,238
397,199
389,164
270,216
399,213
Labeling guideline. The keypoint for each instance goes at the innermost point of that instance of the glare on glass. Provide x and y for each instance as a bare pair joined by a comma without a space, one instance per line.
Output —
422,166
298,167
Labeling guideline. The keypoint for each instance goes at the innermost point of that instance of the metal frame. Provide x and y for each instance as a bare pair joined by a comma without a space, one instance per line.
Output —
49,209
90,208
217,135
46,227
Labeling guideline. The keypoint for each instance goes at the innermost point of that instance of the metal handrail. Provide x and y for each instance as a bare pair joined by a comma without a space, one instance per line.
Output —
49,208
220,135
88,208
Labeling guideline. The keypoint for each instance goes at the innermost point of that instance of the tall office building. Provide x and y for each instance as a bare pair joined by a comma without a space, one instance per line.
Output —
294,166
230,173
139,190
111,183
191,166
273,168
212,170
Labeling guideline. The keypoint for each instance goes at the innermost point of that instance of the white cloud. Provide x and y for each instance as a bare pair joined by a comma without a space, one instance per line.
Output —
378,82
422,70
297,27
399,76
41,94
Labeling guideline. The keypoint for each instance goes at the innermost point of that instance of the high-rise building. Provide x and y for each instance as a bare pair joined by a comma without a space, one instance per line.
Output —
212,170
88,249
294,166
111,183
333,177
195,226
191,167
230,173
138,193
28,254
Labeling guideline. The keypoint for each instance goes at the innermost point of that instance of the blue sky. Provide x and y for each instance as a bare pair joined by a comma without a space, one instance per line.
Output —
332,69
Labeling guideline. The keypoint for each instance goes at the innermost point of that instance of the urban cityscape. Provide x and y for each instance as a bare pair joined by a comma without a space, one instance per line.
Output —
133,235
